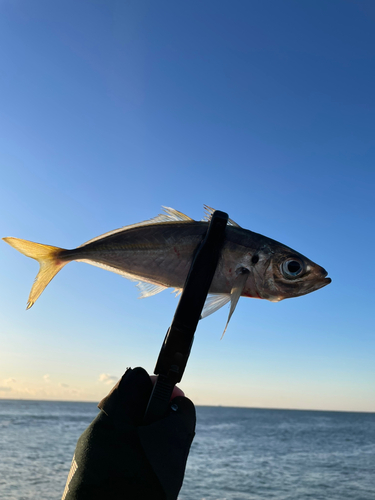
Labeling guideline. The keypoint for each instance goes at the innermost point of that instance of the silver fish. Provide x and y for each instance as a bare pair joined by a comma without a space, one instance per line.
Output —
158,253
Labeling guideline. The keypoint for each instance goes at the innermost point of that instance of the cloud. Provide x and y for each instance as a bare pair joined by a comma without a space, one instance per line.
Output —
108,379
7,382
46,377
10,381
63,385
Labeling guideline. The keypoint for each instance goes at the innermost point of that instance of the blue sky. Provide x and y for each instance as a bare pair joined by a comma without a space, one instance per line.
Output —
264,110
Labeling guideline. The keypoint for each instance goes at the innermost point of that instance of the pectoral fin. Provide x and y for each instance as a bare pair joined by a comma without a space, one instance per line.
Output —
235,294
213,303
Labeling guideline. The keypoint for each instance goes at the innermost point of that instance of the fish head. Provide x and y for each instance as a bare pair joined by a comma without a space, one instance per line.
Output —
287,273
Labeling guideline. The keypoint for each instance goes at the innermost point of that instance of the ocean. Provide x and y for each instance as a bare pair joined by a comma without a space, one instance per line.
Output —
237,453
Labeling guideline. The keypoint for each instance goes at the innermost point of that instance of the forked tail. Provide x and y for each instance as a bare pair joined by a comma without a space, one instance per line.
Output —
47,256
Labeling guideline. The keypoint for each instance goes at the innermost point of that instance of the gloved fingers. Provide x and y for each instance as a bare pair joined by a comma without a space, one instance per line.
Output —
127,402
167,442
118,457
183,410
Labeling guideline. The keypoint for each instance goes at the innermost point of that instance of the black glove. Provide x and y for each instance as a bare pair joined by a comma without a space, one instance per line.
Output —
118,458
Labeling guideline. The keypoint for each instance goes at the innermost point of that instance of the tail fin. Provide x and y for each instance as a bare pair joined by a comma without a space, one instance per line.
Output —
47,256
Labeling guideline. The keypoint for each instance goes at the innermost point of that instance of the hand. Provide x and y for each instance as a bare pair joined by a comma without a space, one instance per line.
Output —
119,458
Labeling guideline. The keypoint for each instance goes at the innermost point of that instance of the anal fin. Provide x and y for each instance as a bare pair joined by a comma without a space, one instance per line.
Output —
149,289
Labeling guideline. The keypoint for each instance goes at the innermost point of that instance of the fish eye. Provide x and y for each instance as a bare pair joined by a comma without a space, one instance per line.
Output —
291,268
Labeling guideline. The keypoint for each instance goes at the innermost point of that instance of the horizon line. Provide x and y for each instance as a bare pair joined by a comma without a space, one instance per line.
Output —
199,405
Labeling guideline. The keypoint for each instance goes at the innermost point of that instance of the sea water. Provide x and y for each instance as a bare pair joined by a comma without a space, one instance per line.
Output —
237,453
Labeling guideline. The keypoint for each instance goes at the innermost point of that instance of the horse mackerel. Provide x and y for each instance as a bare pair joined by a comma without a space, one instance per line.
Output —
157,253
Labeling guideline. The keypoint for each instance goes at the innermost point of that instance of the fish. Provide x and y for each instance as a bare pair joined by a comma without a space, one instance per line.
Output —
157,254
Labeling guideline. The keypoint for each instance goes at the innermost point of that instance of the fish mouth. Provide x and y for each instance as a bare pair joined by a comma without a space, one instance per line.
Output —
321,280
322,283
317,285
325,281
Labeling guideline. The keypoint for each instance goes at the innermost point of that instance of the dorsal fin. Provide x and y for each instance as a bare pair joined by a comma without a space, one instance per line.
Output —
170,215
209,211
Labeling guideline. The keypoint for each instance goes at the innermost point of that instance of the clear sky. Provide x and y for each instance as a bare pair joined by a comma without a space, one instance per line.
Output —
265,110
